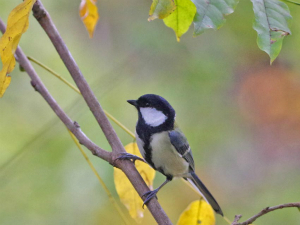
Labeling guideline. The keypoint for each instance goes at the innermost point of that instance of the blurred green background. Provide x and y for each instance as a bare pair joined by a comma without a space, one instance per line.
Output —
241,115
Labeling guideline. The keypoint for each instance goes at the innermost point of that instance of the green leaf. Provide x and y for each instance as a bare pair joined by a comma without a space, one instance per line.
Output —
181,19
161,9
210,14
272,18
292,2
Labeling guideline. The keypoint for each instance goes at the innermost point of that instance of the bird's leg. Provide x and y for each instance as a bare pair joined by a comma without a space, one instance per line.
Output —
128,156
150,194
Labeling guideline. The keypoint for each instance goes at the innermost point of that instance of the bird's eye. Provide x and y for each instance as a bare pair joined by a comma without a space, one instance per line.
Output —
147,104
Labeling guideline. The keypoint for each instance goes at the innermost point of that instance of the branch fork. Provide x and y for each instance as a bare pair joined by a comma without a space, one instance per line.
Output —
263,212
126,166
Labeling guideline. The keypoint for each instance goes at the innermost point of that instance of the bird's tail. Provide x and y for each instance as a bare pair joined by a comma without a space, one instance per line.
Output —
197,183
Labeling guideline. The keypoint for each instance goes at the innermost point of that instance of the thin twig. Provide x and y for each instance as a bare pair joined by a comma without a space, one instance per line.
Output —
40,87
227,220
236,219
119,124
43,17
263,212
53,73
77,90
126,166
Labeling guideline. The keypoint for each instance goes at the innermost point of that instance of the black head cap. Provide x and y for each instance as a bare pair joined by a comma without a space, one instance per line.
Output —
154,101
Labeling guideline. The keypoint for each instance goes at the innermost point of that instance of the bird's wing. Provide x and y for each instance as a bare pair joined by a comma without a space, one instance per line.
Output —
179,141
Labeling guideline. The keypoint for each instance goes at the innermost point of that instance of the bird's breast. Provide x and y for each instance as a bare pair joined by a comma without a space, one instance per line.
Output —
165,157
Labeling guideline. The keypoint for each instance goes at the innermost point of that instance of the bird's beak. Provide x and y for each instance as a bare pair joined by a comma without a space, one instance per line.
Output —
132,102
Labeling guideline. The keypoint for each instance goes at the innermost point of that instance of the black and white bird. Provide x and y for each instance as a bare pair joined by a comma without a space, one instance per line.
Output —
164,146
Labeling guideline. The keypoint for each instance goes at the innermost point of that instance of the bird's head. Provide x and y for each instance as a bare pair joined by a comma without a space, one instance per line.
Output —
153,109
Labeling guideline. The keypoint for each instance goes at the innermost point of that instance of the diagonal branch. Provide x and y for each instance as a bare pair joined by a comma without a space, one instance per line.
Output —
40,87
45,21
126,166
263,212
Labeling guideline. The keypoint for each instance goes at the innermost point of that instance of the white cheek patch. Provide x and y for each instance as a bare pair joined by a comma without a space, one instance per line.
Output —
152,116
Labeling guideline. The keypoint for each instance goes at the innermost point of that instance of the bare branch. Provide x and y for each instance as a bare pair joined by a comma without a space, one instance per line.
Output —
40,87
45,21
126,166
236,219
263,212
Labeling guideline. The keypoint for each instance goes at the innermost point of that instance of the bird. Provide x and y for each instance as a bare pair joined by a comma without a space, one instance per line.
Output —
163,145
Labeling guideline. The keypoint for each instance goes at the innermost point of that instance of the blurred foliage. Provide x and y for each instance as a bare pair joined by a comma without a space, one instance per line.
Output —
239,113
161,9
210,14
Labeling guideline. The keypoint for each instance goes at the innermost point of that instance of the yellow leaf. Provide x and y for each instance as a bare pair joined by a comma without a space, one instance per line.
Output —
128,195
161,9
5,85
198,212
88,12
17,24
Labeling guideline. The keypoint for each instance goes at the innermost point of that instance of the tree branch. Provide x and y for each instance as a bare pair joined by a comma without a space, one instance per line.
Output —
40,87
46,22
263,212
126,166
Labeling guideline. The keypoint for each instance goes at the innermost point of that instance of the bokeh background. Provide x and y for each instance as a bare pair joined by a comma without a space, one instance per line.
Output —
241,115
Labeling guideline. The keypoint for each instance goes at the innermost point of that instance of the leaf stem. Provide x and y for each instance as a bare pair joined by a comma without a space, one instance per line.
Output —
77,90
119,124
54,73
227,220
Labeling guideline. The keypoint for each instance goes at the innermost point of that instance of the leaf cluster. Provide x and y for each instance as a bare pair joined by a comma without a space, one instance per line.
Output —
271,19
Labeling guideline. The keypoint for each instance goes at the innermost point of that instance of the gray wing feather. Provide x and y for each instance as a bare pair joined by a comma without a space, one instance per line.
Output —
179,141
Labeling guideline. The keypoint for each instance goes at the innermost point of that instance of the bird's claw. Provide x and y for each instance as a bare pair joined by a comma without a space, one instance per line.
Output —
149,195
128,156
